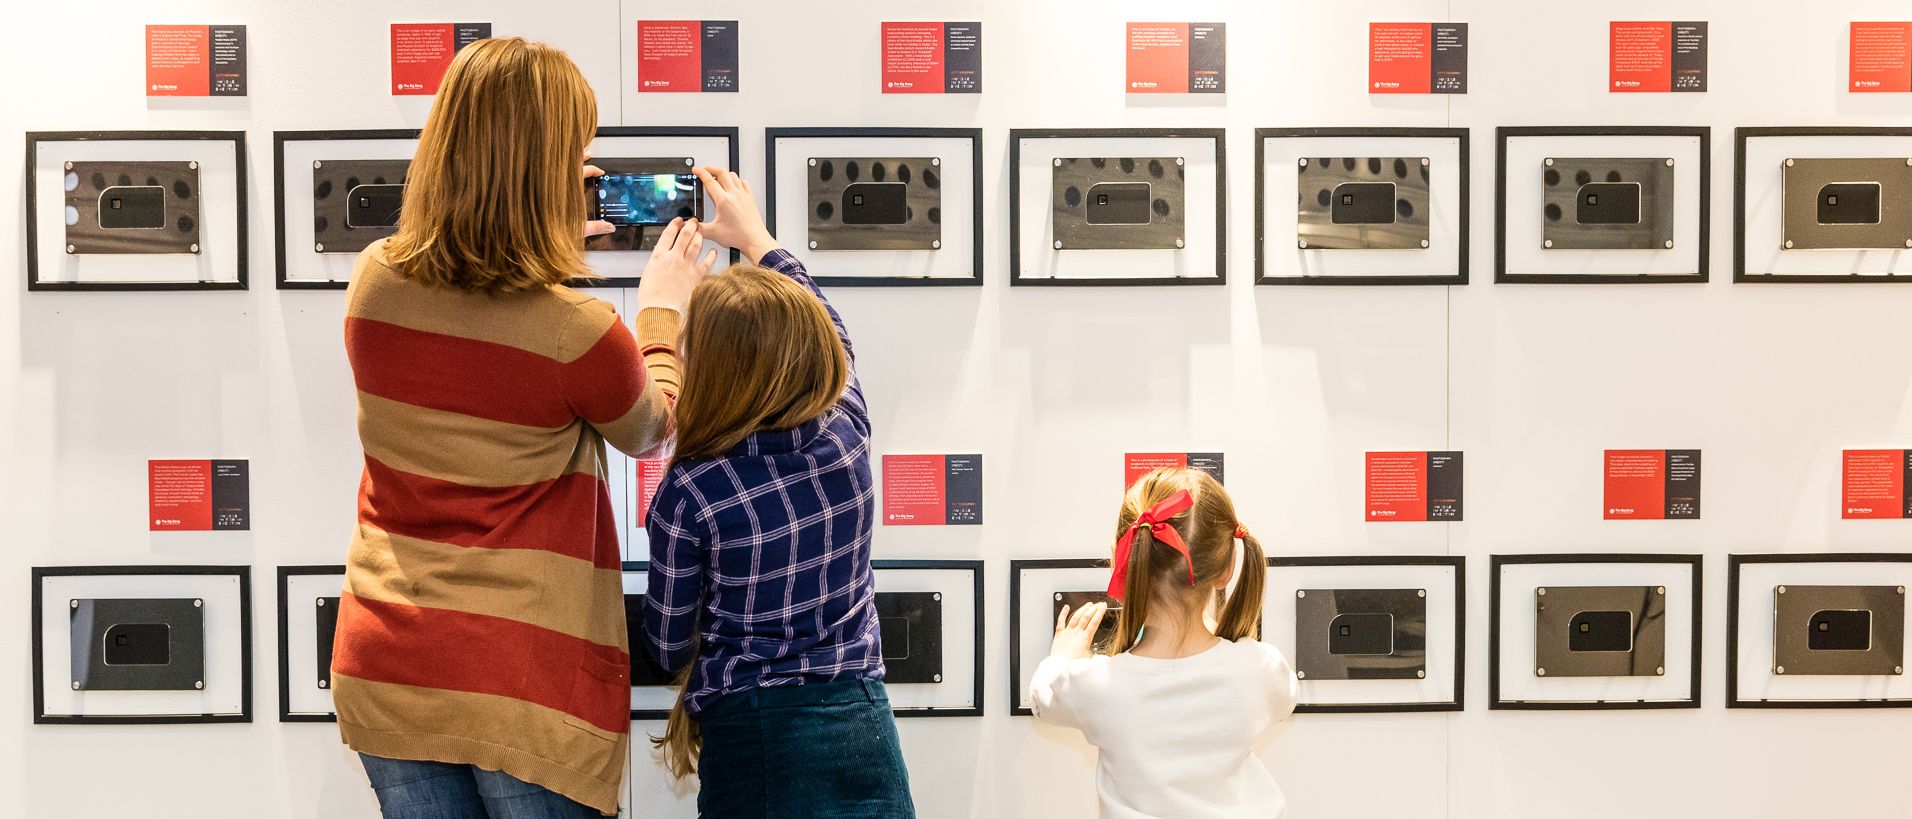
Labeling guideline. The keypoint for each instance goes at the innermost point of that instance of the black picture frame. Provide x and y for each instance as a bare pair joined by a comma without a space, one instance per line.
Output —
975,137
285,643
35,138
729,133
1218,135
1459,564
1740,137
1495,562
1262,135
1505,132
244,573
1016,568
1733,564
975,569
279,139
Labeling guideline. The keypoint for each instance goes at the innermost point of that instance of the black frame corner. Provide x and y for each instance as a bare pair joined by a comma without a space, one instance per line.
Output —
1740,136
1459,564
279,139
285,643
975,569
1733,564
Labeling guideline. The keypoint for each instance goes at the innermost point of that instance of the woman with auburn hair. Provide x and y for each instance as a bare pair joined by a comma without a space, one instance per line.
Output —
760,579
481,665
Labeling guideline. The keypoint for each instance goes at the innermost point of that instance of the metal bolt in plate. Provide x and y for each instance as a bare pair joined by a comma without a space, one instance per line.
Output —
937,677
1779,669
1421,674
1908,243
316,163
1540,672
195,248
1781,590
1058,244
69,248
936,244
1788,244
813,244
1420,592
1303,162
813,162
1301,675
1058,597
1902,590
69,166
1898,669
1789,163
193,165
1669,244
199,684
197,603
1423,243
935,160
1661,590
689,162
936,596
1301,593
1178,243
1542,591
1548,162
1547,243
1669,162
321,602
1660,671
1425,162
1178,160
76,685
1303,244
1058,162
73,604
324,684
318,247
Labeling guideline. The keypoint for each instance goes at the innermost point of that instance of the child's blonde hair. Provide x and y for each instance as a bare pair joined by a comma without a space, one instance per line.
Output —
1157,573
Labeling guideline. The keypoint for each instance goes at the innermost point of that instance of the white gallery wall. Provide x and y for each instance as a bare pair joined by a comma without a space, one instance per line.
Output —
1051,384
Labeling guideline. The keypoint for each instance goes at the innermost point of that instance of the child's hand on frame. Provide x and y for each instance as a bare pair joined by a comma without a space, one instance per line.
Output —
1075,636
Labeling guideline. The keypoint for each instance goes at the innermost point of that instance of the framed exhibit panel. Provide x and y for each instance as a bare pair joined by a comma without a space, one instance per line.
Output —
1370,634
334,193
142,644
1601,205
1371,205
136,210
879,206
1038,589
620,257
1826,204
1817,631
931,616
1594,631
651,692
1097,206
308,618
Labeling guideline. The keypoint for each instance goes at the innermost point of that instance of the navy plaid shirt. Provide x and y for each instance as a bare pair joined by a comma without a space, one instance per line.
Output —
765,552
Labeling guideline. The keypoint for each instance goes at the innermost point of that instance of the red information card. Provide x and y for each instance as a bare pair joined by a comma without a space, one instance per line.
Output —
1413,486
195,61
650,475
1137,464
932,58
1417,58
932,490
1177,58
1873,484
686,56
422,51
1656,56
197,495
1881,57
1652,484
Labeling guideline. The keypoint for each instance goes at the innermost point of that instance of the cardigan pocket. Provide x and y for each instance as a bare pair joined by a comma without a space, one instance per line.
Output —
592,684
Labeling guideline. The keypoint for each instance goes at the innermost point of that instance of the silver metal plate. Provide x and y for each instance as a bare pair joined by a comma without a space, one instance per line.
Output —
875,203
1607,203
1600,631
132,207
351,202
155,644
1362,203
1842,630
1361,634
1118,203
635,237
1847,204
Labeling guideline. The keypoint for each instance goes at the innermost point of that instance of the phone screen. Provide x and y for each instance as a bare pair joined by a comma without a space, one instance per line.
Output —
645,198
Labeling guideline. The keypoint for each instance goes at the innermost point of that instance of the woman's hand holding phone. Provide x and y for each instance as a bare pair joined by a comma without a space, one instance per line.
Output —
738,223
597,227
674,269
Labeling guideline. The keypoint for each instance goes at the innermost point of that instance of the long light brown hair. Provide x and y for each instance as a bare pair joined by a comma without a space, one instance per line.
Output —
1158,576
494,200
760,353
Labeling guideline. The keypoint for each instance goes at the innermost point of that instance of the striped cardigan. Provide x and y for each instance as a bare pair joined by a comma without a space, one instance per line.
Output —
483,615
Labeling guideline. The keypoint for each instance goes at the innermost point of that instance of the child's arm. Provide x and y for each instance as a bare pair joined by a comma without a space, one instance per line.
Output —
1284,688
675,586
1050,691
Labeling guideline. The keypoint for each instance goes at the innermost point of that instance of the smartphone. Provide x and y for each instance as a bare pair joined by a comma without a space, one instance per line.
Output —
645,198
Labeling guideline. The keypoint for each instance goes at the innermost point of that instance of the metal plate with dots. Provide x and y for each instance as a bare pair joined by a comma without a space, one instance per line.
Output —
355,202
875,203
132,207
1355,203
1600,631
1838,630
138,644
1119,203
1847,204
911,625
636,237
1607,203
1361,634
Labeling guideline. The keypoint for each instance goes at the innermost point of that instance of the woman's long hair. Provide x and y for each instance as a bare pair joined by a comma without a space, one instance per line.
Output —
1158,576
494,199
760,353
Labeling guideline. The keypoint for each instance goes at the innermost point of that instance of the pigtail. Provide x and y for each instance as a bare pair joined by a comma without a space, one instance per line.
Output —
1136,593
1241,612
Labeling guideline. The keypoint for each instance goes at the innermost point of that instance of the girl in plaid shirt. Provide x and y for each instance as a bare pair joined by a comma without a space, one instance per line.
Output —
760,580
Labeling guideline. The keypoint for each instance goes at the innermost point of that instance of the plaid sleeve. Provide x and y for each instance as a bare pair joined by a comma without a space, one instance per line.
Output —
783,262
679,546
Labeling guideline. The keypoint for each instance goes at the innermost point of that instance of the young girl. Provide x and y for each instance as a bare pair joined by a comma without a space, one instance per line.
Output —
1187,690
760,577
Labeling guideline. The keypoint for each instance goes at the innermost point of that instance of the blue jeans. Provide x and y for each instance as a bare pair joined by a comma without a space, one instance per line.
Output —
824,750
414,789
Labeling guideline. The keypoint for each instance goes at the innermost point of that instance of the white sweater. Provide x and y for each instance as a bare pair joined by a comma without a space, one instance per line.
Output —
1177,737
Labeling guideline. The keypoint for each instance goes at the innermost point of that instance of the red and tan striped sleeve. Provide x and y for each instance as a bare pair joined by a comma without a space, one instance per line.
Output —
623,385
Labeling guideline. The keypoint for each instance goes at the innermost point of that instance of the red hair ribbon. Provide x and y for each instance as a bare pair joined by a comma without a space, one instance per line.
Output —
1156,521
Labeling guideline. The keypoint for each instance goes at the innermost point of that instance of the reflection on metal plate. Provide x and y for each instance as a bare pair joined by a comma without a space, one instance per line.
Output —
142,644
1842,630
645,672
875,203
1118,203
325,629
1104,634
635,237
132,207
1375,202
1361,634
355,202
1606,203
1600,631
1847,203
911,625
